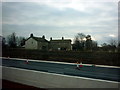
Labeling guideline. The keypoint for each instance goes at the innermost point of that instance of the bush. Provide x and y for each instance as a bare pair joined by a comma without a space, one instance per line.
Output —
105,58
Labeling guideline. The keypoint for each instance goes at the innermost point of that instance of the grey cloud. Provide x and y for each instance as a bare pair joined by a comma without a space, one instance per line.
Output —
43,19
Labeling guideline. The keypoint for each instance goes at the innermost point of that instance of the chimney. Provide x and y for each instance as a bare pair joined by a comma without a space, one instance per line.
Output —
51,38
62,38
31,35
43,37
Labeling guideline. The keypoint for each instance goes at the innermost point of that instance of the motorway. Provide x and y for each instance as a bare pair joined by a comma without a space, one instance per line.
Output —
104,73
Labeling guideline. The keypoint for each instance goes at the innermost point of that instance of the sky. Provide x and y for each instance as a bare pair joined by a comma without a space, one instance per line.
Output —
61,18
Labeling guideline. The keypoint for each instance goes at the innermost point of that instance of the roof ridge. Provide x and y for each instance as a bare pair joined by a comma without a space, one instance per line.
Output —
40,39
36,37
61,39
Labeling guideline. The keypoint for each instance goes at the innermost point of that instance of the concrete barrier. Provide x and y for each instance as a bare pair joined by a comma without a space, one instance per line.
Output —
51,80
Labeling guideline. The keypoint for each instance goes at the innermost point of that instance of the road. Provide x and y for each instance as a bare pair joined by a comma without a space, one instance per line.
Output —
105,73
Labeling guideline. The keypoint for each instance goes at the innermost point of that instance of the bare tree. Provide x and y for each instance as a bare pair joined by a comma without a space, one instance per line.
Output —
79,41
94,45
20,41
113,42
80,37
88,43
3,42
111,46
105,47
12,40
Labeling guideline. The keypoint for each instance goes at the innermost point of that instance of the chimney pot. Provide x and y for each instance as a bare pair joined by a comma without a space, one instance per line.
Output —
43,37
62,38
31,35
51,38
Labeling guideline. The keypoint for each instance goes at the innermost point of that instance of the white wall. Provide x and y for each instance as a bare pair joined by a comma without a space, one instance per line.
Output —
49,80
31,44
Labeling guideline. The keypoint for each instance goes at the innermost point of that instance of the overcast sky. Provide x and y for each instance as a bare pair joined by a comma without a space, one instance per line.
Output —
61,18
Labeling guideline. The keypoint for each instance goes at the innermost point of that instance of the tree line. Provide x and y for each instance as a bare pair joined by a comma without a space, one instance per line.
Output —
13,41
81,42
84,42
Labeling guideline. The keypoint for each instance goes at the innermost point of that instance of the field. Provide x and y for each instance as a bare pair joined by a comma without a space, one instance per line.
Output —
101,58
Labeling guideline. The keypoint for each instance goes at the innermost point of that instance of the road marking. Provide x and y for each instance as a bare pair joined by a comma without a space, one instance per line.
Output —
61,62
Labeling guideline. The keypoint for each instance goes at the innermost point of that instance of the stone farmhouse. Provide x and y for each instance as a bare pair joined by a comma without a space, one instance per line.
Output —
41,43
36,43
61,44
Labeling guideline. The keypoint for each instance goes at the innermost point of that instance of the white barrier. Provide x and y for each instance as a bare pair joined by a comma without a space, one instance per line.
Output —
51,80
